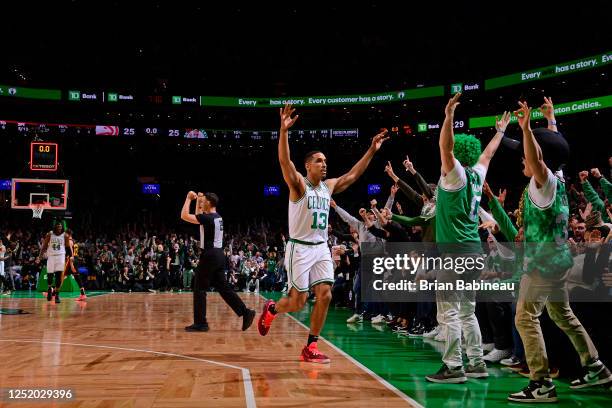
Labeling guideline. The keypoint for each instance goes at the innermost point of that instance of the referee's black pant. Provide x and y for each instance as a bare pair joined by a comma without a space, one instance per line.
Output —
210,273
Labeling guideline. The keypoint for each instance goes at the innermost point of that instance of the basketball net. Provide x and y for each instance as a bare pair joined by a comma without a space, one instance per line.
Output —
37,210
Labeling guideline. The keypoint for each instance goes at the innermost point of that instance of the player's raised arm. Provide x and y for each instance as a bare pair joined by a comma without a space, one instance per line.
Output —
500,128
292,177
447,138
531,149
548,110
341,183
185,215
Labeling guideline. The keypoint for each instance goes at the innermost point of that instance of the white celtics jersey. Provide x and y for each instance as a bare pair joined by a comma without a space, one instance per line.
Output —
57,245
308,216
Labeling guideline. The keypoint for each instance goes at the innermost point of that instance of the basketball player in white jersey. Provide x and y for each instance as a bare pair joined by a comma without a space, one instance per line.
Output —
55,245
307,258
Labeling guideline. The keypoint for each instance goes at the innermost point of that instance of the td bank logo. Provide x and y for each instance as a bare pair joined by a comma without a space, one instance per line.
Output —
176,100
112,97
74,95
422,127
456,88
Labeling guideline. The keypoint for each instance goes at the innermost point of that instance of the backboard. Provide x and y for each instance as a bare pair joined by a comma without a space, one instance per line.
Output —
51,193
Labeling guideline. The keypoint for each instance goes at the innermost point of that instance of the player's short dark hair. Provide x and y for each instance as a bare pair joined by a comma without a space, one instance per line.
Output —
212,198
310,154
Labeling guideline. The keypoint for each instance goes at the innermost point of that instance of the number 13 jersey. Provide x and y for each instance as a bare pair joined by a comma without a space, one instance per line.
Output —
308,216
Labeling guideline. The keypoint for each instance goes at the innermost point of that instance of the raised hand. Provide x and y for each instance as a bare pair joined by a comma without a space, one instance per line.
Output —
587,211
191,195
583,175
363,213
502,124
409,165
449,110
596,173
389,170
502,196
399,208
487,190
378,140
373,203
394,189
285,115
487,225
547,109
523,115
595,236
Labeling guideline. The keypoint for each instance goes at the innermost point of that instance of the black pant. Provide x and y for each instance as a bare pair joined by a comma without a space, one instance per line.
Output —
495,319
210,273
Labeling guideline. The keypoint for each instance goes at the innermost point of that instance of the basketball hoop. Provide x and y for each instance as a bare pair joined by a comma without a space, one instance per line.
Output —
37,210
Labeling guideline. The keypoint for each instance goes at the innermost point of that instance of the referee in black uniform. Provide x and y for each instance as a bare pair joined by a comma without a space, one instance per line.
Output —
210,270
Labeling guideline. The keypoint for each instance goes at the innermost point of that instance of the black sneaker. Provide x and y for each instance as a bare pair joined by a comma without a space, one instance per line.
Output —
49,295
477,371
247,319
448,376
594,374
57,298
197,328
536,391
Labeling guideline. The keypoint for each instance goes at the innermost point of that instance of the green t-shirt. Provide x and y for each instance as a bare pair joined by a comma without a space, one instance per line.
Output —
271,265
545,229
458,200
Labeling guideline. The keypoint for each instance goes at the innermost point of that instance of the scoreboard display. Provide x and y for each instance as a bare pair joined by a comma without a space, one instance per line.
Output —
43,156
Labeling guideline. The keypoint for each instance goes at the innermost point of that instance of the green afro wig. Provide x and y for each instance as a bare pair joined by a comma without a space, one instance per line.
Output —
467,149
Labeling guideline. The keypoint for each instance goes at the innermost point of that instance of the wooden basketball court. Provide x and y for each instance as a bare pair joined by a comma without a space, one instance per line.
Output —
130,350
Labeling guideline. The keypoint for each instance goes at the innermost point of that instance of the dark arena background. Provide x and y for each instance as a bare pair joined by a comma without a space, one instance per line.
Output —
137,104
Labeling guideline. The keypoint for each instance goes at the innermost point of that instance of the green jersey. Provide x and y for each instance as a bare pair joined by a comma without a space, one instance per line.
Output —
545,231
457,206
271,265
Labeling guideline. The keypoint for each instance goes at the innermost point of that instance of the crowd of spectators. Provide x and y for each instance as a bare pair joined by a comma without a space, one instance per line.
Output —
138,261
408,218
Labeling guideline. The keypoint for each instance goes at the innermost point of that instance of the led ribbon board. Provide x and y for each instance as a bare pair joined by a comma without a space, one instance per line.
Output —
336,100
568,108
550,71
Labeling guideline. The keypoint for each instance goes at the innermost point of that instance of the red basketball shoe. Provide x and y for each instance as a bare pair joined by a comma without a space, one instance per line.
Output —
311,354
265,320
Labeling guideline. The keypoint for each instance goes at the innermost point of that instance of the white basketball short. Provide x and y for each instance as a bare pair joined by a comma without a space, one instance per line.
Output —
56,263
2,268
308,265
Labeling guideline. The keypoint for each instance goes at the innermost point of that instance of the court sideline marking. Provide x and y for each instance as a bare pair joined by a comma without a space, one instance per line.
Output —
246,374
378,378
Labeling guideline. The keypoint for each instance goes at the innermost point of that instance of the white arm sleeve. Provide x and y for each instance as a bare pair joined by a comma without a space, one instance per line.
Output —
455,179
346,217
389,203
544,196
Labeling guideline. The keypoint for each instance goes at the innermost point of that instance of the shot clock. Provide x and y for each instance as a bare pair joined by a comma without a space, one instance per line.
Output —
43,156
